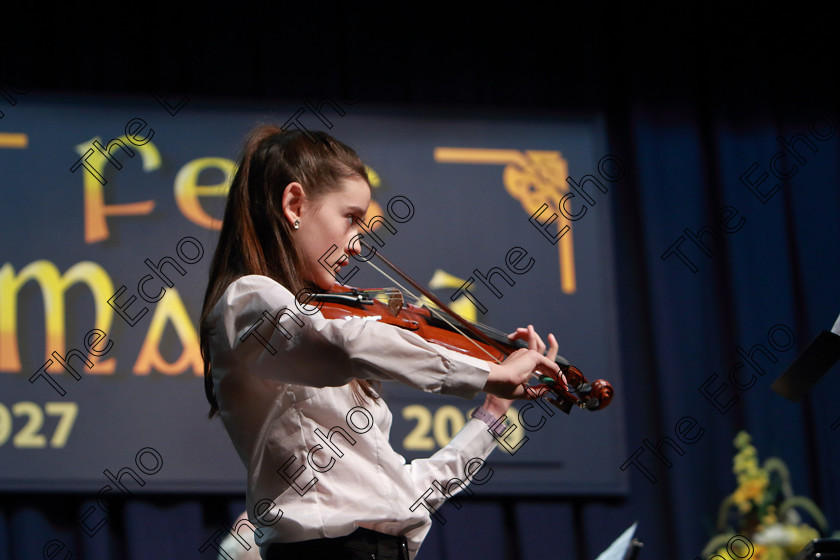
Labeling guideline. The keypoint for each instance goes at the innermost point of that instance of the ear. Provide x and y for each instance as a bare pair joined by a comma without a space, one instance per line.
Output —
294,199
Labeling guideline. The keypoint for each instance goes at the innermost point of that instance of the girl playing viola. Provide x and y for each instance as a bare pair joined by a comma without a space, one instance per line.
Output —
287,382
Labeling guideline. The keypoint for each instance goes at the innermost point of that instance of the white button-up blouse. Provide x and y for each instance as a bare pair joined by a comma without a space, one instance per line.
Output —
319,462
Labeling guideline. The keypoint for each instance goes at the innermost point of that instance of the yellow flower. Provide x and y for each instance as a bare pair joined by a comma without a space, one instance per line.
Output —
742,439
770,518
749,490
772,538
745,462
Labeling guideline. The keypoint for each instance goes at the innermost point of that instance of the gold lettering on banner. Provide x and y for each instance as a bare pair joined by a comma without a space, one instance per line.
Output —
53,287
170,310
96,211
14,140
188,190
374,209
534,178
462,306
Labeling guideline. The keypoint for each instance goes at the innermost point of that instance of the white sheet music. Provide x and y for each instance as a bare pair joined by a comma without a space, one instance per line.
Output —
618,549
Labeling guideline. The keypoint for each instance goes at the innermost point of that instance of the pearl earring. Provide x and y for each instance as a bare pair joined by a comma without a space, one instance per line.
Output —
297,224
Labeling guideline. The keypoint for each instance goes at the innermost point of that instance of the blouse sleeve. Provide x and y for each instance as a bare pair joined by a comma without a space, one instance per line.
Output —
453,467
260,327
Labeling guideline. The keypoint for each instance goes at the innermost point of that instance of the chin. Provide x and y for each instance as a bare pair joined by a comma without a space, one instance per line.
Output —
326,284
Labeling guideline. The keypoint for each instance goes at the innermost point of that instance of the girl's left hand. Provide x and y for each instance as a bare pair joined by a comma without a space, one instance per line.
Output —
497,405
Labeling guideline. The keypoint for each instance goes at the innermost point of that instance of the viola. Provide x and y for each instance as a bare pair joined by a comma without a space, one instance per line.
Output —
388,306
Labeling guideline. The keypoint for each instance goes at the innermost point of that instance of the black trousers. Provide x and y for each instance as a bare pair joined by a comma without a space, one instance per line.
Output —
361,544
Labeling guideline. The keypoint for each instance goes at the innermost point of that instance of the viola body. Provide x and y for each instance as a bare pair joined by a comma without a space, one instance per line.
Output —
568,389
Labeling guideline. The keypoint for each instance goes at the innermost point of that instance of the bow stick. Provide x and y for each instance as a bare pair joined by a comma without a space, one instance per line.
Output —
574,381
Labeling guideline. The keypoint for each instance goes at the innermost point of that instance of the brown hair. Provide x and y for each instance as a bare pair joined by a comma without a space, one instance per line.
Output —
255,237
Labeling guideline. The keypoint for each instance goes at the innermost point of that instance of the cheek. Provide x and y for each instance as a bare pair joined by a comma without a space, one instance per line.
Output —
338,232
325,234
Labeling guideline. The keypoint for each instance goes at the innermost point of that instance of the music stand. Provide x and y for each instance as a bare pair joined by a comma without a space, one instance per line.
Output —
823,549
813,363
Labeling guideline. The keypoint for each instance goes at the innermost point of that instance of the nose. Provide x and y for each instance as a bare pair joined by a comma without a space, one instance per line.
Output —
354,246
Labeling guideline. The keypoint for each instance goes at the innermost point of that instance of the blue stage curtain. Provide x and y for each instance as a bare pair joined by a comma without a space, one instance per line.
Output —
775,274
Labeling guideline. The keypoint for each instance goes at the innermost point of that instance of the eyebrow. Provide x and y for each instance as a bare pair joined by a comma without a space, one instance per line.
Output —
357,210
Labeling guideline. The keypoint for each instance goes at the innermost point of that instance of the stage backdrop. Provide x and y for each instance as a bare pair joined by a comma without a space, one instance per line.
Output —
109,222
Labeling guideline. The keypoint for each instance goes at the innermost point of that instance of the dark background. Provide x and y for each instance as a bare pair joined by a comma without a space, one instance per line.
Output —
692,95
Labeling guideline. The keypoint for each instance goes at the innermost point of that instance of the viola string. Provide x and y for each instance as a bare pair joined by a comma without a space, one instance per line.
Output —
437,312
422,301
